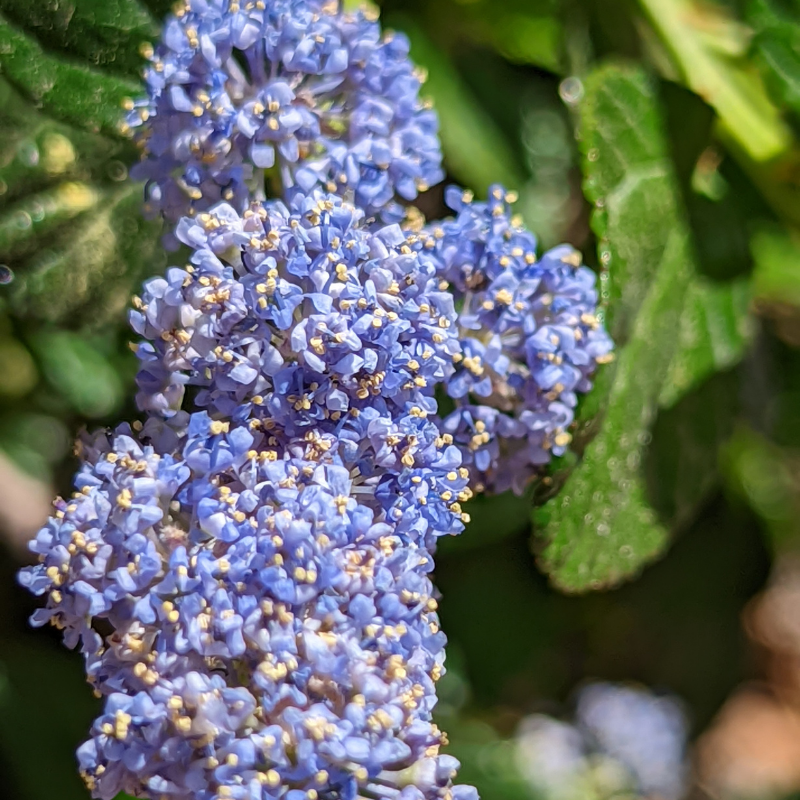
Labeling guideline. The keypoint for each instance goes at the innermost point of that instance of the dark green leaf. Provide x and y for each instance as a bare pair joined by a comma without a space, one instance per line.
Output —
69,91
46,691
671,330
159,8
106,33
491,520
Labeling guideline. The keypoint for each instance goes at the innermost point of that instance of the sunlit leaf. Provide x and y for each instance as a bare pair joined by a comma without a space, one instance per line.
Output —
776,277
71,228
17,368
526,38
36,151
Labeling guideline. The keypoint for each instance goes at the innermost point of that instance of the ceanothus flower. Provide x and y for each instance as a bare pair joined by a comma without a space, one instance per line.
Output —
247,572
298,89
301,310
256,629
529,332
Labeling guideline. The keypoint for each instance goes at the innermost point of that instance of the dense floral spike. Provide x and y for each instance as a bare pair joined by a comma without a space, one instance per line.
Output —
249,583
239,87
272,636
301,306
303,317
529,332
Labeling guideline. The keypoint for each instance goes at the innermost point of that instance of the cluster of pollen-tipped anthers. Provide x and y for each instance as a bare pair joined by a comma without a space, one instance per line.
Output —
247,571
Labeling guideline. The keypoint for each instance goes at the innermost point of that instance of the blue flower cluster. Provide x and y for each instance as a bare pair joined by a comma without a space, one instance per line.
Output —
238,88
529,333
303,306
273,636
304,319
247,571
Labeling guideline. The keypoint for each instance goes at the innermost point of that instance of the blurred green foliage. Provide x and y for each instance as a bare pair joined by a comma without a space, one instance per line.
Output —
660,136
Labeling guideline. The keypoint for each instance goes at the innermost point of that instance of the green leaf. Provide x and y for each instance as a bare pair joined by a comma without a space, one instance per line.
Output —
35,217
766,477
526,38
681,464
492,519
672,329
776,295
776,276
714,332
475,150
628,179
88,271
487,762
46,690
71,228
160,8
80,372
68,91
35,442
776,45
36,151
701,40
107,33
17,368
